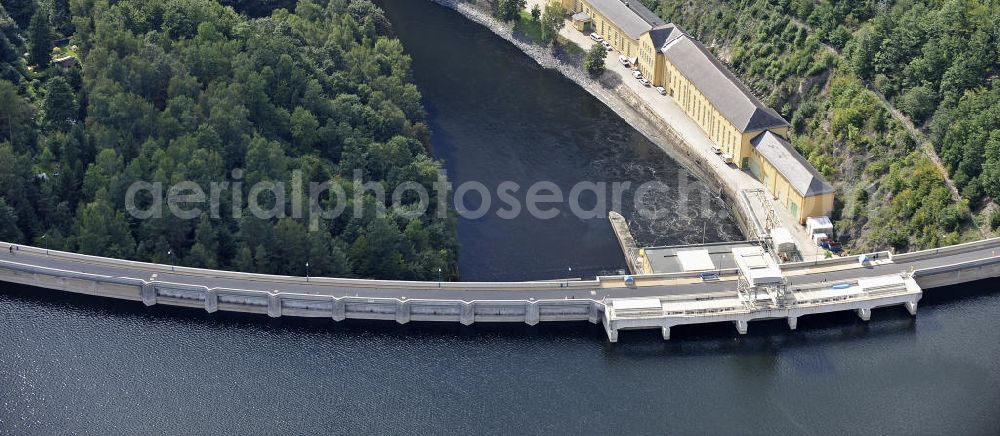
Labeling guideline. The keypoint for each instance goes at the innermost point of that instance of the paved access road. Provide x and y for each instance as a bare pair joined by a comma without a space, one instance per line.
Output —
820,272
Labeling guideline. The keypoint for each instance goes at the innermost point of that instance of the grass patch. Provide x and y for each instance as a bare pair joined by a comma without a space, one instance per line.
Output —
571,47
532,29
68,50
529,27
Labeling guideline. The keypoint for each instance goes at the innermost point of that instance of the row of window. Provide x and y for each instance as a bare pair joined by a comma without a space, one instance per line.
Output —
609,33
785,195
709,120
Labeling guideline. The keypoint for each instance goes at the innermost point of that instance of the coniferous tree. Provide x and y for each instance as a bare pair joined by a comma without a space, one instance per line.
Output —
61,17
40,37
8,55
8,223
59,105
21,11
15,115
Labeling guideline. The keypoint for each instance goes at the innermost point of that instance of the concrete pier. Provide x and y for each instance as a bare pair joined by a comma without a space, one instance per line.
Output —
211,300
533,315
468,313
403,312
741,326
864,314
629,247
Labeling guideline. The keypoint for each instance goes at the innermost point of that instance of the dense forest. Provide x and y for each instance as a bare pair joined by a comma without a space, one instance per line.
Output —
826,65
191,90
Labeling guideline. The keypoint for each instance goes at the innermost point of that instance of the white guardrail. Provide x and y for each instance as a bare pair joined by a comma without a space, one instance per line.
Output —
952,249
942,269
312,281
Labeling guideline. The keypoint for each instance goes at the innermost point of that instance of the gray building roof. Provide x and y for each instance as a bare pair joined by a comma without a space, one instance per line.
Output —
720,86
629,15
796,169
664,34
666,260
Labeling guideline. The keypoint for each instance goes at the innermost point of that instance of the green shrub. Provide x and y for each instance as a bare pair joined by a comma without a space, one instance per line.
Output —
995,219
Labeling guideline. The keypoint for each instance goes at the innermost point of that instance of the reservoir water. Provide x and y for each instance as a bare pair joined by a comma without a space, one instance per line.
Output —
72,364
75,364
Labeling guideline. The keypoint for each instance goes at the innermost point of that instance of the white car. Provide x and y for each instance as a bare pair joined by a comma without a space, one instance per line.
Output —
643,81
606,45
624,61
637,74
596,37
661,90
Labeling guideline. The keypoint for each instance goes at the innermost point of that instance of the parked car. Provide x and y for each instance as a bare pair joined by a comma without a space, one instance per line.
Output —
596,37
661,90
624,61
716,149
643,81
637,74
606,45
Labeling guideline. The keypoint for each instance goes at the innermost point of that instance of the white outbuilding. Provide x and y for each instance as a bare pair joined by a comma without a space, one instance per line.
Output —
820,224
782,240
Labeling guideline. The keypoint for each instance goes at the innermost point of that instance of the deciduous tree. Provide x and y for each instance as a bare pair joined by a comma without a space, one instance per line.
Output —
552,20
593,61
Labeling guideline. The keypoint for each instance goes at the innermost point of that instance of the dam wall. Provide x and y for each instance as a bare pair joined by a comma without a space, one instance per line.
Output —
277,303
955,274
821,286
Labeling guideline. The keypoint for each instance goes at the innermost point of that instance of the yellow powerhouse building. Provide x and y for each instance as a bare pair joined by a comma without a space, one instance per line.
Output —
753,135
630,28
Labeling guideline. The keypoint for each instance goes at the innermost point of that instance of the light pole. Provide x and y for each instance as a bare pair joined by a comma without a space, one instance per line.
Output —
45,241
439,275
307,271
171,254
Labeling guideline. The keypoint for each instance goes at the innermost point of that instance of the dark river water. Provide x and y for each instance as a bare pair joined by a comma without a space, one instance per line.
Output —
73,364
497,116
